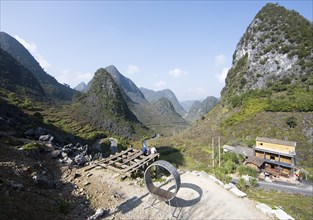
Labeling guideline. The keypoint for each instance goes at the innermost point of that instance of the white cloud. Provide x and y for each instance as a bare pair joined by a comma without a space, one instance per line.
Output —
222,75
32,48
177,72
131,69
220,59
160,84
73,78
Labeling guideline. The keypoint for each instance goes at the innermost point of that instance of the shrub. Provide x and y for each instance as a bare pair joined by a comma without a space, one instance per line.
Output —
229,166
228,179
242,170
291,122
229,156
38,115
241,184
221,175
253,182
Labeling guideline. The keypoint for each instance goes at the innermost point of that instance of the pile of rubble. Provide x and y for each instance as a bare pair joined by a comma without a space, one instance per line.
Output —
69,154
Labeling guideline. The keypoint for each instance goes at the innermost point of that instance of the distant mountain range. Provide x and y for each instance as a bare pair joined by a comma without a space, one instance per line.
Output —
200,109
146,112
81,87
187,104
153,96
144,102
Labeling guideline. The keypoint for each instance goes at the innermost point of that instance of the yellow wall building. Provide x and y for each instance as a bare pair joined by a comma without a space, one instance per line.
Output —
279,156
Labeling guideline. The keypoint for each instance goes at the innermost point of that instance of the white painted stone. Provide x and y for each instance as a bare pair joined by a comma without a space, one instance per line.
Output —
281,215
237,192
264,208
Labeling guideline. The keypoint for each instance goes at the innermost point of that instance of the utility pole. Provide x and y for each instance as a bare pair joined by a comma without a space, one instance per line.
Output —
213,150
219,151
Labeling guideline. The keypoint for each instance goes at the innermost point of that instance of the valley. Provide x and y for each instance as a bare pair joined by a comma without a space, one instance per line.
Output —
50,134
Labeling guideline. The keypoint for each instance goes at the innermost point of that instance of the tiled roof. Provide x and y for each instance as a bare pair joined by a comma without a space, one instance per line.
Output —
246,151
255,160
275,141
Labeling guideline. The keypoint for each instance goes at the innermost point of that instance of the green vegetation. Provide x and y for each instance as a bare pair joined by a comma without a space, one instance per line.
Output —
241,184
22,102
278,25
243,170
103,106
296,205
31,146
235,77
249,109
253,182
279,97
291,121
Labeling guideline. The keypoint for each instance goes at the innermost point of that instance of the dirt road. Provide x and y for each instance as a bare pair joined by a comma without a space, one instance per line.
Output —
198,198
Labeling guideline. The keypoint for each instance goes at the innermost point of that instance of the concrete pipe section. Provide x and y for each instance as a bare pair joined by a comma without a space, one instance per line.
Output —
161,192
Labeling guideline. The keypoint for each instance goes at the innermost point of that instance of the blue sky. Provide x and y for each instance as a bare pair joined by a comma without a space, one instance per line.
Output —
186,46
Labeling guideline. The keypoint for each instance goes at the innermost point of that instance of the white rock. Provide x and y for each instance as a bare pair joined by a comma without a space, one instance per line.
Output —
280,214
237,192
264,208
229,186
99,213
246,178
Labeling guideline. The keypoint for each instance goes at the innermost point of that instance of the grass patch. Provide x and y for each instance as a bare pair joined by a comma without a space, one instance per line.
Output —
296,205
31,146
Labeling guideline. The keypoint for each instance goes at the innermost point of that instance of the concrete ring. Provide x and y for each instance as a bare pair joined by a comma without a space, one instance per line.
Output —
162,194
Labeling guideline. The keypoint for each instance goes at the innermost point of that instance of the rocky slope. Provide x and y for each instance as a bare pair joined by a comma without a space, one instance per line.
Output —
145,111
15,77
164,108
104,106
276,50
153,96
51,86
126,85
269,89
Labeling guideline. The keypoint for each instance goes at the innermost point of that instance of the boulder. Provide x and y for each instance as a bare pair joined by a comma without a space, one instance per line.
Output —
80,159
42,180
68,161
55,153
46,138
